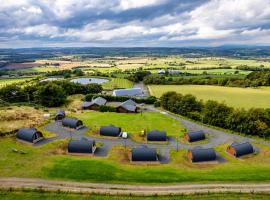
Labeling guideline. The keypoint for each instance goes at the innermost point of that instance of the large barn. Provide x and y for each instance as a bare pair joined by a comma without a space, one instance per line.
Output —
202,155
31,135
72,122
82,146
110,130
128,106
194,136
60,115
240,149
156,135
95,104
132,92
144,154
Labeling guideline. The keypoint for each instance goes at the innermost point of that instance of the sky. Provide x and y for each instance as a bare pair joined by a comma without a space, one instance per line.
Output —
133,23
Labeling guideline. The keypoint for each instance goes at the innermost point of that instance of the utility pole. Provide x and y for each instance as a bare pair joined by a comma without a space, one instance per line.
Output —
28,98
177,143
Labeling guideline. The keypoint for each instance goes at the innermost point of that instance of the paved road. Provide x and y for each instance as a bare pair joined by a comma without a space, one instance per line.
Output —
124,189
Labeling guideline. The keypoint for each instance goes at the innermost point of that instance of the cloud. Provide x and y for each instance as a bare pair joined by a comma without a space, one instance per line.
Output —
134,22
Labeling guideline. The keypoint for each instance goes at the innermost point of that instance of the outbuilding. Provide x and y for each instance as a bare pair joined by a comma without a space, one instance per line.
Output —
202,155
156,135
144,154
128,92
110,130
72,122
128,106
31,135
82,146
194,136
95,104
240,149
60,115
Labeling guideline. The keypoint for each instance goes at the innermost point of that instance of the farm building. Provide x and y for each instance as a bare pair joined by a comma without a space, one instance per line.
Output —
144,154
161,71
128,106
240,149
60,115
194,136
31,135
128,92
72,122
95,104
82,146
156,135
110,130
202,155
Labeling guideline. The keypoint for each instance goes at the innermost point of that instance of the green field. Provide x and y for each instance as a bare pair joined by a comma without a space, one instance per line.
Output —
6,195
9,81
236,97
117,83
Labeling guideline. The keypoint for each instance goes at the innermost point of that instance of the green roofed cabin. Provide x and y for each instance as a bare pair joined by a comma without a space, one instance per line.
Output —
72,122
202,155
194,136
156,135
82,146
110,130
144,154
31,135
240,149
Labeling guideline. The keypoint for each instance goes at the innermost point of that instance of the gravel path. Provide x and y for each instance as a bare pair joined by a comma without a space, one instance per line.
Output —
124,189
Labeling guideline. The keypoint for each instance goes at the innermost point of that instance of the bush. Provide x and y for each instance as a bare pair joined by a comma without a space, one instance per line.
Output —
107,109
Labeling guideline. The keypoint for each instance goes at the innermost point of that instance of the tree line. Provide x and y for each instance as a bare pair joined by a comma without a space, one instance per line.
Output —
254,121
48,93
254,79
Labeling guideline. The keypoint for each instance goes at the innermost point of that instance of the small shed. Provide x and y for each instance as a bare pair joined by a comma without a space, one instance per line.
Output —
31,135
144,154
72,122
240,149
202,155
128,92
194,136
95,104
110,130
82,146
156,135
60,115
128,106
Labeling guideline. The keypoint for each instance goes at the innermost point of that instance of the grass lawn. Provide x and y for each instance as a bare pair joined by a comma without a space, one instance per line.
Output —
50,162
8,81
117,83
132,123
28,195
236,97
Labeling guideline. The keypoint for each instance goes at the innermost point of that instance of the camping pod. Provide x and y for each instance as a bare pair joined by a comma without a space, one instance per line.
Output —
31,135
240,149
95,104
144,154
194,136
110,130
156,135
60,115
72,122
202,155
82,146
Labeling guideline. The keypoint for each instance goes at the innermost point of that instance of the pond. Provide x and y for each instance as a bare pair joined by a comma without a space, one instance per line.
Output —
85,81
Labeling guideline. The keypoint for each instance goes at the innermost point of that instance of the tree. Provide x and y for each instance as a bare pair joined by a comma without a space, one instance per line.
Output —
50,95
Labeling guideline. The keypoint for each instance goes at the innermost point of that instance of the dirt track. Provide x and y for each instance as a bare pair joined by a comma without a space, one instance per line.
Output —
140,190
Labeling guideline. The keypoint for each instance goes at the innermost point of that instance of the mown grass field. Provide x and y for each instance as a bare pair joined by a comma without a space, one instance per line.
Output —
117,83
8,81
236,97
51,162
7,195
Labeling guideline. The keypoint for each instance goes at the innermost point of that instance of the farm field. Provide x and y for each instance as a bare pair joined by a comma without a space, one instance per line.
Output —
50,162
4,195
236,97
9,81
117,83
